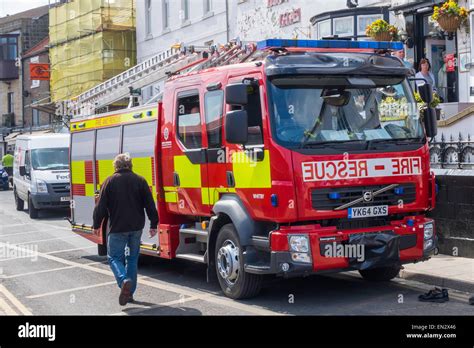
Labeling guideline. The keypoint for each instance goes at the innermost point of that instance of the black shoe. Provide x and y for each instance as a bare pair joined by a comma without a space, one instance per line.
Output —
131,299
437,295
125,292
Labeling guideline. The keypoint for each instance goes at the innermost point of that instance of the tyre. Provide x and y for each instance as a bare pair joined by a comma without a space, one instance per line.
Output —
382,274
234,281
19,203
101,249
32,211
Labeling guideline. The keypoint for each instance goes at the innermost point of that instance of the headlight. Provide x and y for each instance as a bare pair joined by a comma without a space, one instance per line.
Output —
41,186
299,244
429,230
4,174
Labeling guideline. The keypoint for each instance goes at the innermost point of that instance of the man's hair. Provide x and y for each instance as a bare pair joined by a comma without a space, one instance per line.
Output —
123,161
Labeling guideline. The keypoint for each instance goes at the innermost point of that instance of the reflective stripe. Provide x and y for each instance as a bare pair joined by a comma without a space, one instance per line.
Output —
249,173
189,174
78,172
104,168
210,195
171,197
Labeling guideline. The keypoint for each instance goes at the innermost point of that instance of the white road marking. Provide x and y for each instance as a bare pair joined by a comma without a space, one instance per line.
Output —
47,240
163,286
71,290
21,233
164,304
40,272
66,250
20,306
6,308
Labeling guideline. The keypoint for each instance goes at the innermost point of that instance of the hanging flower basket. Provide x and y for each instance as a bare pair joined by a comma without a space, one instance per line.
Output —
450,16
384,36
450,24
381,30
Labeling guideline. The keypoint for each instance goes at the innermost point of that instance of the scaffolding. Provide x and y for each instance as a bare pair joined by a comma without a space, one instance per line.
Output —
90,42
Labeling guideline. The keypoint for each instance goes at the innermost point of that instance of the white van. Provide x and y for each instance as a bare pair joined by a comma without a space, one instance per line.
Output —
41,172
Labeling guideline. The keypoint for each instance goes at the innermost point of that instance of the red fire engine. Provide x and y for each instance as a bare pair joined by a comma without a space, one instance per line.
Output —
308,157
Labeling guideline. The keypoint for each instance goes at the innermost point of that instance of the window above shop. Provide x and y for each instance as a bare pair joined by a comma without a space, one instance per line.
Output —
347,23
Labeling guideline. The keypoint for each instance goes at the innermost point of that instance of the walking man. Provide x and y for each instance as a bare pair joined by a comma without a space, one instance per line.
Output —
124,196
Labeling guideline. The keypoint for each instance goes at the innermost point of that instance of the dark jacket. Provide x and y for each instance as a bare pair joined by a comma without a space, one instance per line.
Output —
123,198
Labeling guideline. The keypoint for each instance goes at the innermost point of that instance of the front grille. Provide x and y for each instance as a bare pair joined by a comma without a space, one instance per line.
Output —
61,188
320,197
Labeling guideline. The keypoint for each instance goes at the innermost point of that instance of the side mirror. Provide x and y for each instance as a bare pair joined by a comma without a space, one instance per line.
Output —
426,93
431,123
236,127
236,94
23,171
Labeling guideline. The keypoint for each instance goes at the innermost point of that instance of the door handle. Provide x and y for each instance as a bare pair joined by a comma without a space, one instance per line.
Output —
176,179
230,179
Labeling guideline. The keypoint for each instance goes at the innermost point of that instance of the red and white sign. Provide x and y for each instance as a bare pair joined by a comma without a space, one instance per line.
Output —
450,63
290,18
271,3
360,169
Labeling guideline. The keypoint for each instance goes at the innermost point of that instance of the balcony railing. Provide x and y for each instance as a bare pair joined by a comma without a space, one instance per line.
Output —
452,154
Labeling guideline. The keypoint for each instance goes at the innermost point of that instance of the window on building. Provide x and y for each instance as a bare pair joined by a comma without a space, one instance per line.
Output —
363,21
36,118
166,14
8,47
189,120
343,26
323,29
213,110
148,17
207,6
11,105
185,9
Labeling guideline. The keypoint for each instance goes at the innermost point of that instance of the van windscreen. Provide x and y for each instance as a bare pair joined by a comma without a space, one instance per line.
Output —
50,159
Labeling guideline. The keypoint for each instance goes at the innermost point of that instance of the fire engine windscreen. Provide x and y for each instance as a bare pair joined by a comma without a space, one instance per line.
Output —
307,111
50,159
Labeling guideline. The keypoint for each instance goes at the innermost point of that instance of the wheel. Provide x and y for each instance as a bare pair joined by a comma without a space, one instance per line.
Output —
382,274
19,203
31,209
234,281
101,250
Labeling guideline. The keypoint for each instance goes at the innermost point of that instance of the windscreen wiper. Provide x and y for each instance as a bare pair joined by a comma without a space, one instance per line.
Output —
330,143
394,141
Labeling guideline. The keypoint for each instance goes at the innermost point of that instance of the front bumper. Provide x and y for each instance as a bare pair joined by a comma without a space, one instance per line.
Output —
49,200
398,243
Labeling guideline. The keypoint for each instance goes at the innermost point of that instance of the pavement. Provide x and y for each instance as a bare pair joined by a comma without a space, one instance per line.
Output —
443,271
45,269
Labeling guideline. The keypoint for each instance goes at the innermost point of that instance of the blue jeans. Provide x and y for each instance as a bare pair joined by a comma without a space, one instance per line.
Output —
124,264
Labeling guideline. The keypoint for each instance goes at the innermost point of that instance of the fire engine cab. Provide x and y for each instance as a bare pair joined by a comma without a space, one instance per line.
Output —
307,157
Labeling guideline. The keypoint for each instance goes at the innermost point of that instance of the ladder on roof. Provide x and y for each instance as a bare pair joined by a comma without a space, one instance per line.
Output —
174,61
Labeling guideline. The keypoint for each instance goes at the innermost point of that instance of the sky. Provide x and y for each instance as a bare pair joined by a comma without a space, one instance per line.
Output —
14,6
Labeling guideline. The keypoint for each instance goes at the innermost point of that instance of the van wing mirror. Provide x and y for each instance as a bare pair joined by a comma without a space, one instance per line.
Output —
236,127
236,94
23,171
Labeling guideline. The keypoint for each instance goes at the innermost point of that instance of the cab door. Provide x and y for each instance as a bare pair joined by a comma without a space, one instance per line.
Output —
190,159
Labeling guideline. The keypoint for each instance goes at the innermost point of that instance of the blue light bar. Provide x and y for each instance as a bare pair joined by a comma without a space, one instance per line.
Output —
334,195
344,44
399,190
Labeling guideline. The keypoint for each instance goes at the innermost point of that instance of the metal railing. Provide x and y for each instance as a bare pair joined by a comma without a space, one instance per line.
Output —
452,154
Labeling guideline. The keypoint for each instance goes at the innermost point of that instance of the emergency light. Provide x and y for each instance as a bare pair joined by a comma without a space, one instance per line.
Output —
339,44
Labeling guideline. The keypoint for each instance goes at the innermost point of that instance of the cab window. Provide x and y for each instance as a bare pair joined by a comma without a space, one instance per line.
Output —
189,120
213,109
254,110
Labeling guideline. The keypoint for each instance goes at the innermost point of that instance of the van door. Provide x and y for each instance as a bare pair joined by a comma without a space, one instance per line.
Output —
139,142
24,185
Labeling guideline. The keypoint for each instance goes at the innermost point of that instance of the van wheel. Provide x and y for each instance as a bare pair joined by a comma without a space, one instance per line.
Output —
33,212
234,281
19,203
101,249
382,274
